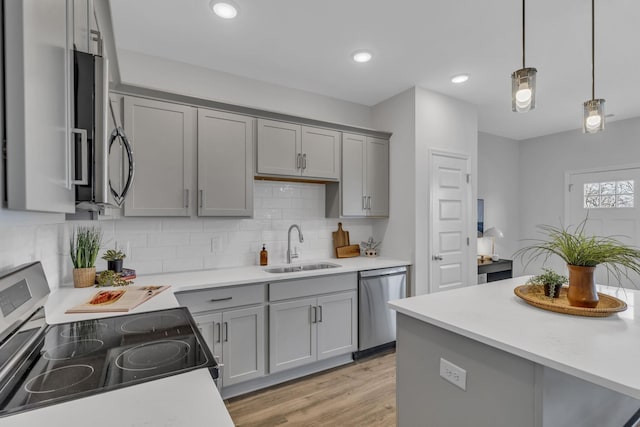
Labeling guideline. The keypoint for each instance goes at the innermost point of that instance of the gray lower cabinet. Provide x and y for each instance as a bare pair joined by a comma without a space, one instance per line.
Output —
232,322
312,327
236,339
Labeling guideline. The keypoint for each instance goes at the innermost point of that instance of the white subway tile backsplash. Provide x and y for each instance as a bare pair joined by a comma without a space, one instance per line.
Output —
156,245
168,239
183,264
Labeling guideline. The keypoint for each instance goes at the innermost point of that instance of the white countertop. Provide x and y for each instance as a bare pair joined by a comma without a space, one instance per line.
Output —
256,274
603,351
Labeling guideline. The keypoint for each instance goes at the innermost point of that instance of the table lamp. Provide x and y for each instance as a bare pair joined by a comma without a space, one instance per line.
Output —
493,232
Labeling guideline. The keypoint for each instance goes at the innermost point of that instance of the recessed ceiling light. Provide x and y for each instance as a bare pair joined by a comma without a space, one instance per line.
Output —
362,56
224,10
459,78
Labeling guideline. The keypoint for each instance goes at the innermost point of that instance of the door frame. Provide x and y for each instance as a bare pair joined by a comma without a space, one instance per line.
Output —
472,269
567,179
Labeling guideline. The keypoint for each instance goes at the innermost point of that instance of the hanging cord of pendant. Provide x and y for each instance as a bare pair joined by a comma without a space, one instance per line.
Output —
593,49
523,33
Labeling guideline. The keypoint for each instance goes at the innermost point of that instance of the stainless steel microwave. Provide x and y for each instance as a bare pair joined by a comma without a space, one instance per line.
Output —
93,139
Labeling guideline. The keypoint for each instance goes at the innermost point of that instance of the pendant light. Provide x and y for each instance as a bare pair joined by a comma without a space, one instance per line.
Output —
523,81
593,120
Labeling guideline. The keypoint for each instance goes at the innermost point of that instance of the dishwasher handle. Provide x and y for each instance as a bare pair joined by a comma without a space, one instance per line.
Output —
384,272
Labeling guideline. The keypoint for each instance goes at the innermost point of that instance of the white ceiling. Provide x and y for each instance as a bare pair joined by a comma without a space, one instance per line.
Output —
306,44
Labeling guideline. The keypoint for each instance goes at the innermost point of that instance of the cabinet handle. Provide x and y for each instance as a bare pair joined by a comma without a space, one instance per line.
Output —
226,332
97,37
201,198
84,158
304,161
369,202
314,314
298,161
186,198
364,202
219,332
220,299
320,309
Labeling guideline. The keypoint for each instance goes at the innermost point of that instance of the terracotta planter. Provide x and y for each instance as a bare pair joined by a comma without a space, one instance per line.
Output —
582,287
84,277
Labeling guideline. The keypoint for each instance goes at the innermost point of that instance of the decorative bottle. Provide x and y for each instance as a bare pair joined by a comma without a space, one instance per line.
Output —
264,256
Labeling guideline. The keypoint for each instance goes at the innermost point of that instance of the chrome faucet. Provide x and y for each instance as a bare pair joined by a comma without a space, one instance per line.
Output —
290,255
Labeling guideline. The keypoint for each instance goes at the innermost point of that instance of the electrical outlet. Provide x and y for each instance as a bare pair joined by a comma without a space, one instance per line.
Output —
454,374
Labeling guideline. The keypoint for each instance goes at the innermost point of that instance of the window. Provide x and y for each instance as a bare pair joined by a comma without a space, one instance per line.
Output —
609,194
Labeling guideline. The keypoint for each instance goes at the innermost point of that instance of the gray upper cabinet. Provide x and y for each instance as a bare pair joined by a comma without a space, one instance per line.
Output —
37,89
85,27
163,138
320,153
297,151
365,176
225,164
377,173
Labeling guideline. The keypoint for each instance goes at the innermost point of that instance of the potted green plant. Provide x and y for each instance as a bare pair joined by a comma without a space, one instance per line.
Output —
114,259
583,253
550,280
84,246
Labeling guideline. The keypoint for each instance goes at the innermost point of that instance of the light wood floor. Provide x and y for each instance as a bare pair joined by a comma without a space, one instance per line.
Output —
359,394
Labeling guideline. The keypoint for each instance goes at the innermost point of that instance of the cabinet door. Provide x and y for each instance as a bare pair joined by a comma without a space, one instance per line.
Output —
320,153
38,76
279,148
225,164
353,175
292,334
243,350
337,324
163,137
210,326
377,167
82,24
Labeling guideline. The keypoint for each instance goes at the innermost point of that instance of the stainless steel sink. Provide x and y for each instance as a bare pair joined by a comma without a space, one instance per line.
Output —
301,267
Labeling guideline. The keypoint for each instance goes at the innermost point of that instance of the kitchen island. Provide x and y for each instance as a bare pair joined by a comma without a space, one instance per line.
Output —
523,366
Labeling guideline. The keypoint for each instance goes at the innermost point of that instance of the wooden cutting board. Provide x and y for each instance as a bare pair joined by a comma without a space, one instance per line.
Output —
348,251
124,299
340,237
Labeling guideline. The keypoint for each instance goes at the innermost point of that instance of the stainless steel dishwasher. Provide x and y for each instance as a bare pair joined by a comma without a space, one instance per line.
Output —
376,321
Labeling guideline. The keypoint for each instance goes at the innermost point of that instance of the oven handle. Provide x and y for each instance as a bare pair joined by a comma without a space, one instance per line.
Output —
14,363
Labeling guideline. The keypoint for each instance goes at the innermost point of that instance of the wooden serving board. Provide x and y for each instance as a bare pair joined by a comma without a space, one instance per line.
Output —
121,299
534,295
348,251
340,237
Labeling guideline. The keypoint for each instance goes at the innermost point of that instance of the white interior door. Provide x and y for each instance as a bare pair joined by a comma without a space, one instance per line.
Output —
608,197
450,213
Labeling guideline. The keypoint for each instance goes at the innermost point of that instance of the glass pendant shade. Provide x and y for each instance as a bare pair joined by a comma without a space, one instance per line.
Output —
523,90
593,120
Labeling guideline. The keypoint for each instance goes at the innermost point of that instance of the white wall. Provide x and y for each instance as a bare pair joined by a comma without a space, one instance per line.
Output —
397,115
445,124
498,185
422,120
544,161
185,79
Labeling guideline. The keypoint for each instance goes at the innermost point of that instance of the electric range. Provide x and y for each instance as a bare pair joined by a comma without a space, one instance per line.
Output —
44,364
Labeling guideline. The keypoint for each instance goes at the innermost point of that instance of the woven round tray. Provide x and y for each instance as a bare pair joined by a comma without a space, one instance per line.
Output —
534,295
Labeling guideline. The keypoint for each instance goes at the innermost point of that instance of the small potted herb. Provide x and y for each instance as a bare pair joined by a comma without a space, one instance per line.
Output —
84,246
551,281
114,260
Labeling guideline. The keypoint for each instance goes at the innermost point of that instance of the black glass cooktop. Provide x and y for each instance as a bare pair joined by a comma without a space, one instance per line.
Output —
78,359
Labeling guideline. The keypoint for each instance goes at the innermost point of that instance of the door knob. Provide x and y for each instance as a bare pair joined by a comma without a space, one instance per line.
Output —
437,257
